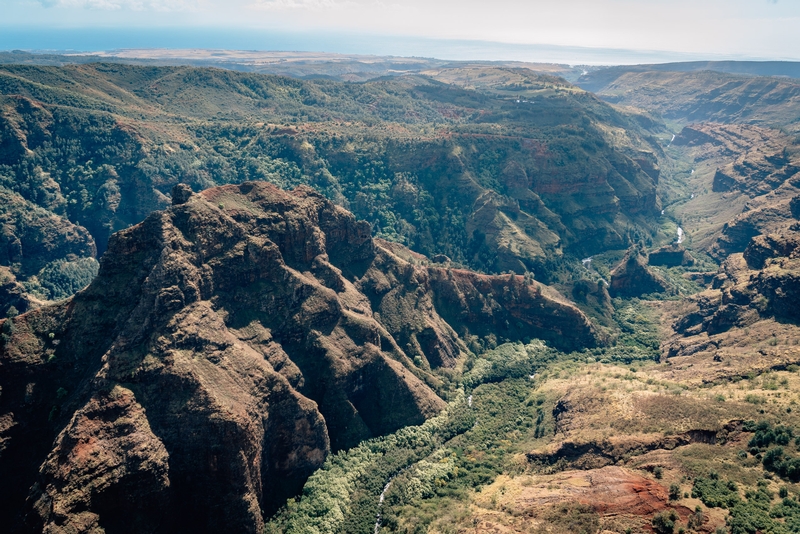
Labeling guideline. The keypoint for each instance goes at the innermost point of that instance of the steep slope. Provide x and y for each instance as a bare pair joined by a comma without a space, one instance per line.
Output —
443,169
754,160
633,278
227,345
741,181
43,256
750,310
702,96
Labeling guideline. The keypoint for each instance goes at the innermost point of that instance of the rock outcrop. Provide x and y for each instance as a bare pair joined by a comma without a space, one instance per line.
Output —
768,215
794,207
671,255
227,345
633,278
763,248
763,282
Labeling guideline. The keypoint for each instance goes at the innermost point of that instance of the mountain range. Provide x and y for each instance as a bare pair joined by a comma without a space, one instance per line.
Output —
459,298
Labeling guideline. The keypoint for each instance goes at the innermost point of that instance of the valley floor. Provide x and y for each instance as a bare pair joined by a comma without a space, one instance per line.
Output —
543,441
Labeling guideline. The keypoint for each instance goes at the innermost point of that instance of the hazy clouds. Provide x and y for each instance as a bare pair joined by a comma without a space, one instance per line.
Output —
133,5
765,28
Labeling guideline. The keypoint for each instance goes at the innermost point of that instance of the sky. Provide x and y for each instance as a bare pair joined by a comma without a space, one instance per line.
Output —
690,29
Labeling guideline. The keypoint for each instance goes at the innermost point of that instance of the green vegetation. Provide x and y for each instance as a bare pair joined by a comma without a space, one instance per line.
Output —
342,495
431,467
101,145
756,512
757,509
664,522
61,279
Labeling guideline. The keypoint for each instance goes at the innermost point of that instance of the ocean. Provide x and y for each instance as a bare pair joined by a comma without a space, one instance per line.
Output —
109,39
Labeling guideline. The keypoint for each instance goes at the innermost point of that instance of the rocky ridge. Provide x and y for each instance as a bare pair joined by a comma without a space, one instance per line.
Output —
760,286
632,277
467,172
741,180
228,344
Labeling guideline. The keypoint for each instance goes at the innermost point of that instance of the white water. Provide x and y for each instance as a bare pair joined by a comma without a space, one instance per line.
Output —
380,502
587,262
469,401
680,235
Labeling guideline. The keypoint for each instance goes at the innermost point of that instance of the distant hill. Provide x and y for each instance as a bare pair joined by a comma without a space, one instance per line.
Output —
597,79
684,94
305,65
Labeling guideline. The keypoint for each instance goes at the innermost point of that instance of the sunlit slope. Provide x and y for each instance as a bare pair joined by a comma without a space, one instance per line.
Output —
472,173
702,95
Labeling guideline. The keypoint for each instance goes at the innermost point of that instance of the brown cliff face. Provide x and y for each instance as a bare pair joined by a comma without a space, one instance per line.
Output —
670,255
227,345
759,287
633,278
757,160
742,180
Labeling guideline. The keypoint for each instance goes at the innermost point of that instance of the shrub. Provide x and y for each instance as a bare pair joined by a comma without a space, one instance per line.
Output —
714,493
754,399
696,519
664,522
765,435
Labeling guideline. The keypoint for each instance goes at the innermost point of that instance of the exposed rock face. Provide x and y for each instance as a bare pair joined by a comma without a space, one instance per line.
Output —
725,306
766,247
759,159
694,135
227,345
670,256
766,217
181,194
763,282
13,295
745,180
794,207
609,499
632,277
